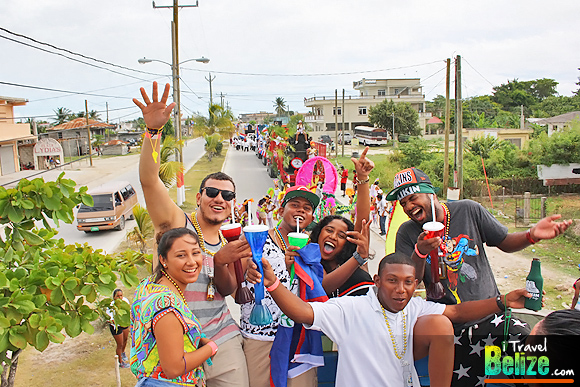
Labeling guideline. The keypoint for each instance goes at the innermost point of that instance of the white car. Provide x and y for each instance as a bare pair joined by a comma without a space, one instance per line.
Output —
347,138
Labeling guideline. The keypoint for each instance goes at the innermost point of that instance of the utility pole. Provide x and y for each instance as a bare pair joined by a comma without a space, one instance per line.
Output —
89,133
459,130
447,123
522,120
222,99
336,122
176,91
107,104
210,80
393,120
342,111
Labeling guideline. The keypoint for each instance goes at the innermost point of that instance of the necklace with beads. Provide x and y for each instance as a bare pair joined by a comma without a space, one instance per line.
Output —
285,245
447,220
407,376
209,269
174,284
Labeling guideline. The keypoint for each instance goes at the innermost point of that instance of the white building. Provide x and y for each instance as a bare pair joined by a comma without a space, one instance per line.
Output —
371,93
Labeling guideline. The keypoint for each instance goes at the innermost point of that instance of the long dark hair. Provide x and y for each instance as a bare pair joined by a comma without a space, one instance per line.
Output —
348,249
165,243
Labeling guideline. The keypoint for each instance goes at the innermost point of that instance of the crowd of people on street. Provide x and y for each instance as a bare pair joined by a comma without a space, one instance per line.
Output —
183,333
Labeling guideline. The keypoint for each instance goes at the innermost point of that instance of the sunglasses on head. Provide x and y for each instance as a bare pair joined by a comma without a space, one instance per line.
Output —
213,192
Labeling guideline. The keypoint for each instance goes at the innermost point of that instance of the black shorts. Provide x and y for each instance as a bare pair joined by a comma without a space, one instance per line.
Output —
117,331
343,186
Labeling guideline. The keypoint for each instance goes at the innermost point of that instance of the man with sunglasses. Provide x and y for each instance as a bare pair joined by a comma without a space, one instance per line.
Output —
205,297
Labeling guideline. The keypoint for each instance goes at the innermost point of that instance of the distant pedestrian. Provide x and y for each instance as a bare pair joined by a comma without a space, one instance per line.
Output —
343,179
120,334
382,210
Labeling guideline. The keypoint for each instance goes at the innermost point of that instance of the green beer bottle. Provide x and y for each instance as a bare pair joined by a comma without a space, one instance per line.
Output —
534,285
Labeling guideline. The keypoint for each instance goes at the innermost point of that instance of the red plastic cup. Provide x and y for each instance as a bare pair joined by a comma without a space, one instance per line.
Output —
434,229
231,231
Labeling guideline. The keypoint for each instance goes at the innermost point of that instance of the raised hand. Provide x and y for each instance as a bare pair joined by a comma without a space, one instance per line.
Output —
363,166
155,113
547,228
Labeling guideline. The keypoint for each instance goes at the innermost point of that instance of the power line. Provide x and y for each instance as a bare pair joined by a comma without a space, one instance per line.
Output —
60,91
314,74
492,85
72,53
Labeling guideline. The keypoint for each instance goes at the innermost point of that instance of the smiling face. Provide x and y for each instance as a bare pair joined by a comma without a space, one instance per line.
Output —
332,239
214,210
297,208
396,284
184,260
417,207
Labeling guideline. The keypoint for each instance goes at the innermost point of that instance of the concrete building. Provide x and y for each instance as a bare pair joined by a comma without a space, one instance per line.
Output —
73,135
356,109
518,137
260,117
12,135
557,122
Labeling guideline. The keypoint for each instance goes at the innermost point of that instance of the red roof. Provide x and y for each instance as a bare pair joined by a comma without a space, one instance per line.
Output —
434,120
82,123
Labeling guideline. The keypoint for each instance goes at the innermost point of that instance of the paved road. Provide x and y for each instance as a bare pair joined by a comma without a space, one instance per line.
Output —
124,168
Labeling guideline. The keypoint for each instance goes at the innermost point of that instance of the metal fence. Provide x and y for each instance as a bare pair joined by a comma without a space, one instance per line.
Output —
529,209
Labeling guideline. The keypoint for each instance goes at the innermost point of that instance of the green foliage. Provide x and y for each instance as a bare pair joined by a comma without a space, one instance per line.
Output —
280,106
406,118
213,145
219,120
562,147
143,231
168,168
168,130
414,152
47,286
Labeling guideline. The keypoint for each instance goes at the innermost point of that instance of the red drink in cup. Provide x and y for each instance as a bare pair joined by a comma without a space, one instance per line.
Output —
434,229
231,231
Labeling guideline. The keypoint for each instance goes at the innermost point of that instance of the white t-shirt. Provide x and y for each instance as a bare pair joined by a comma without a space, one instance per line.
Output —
365,350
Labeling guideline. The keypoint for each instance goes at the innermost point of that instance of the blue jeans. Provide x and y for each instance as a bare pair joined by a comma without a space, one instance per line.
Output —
382,220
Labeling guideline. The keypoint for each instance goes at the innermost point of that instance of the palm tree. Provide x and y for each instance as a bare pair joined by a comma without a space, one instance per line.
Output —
219,121
168,167
94,115
62,115
280,106
213,145
144,229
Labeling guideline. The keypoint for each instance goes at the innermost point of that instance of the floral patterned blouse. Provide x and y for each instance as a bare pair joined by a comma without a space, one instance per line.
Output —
152,301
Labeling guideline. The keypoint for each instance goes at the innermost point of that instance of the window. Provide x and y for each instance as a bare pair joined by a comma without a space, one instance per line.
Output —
362,110
397,91
382,92
334,109
319,111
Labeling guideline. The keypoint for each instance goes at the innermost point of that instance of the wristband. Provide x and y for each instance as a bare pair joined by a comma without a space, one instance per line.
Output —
360,260
361,182
500,304
422,256
529,237
213,346
153,131
273,287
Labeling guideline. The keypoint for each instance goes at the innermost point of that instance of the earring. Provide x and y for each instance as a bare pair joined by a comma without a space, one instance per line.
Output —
165,265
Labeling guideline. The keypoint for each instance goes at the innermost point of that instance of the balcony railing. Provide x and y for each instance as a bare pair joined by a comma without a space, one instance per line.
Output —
365,97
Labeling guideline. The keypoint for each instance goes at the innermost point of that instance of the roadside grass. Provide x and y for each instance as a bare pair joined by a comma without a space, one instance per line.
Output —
195,175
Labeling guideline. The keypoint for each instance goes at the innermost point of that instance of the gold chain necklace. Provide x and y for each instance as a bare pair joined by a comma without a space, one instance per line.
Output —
399,356
197,228
447,220
209,270
174,284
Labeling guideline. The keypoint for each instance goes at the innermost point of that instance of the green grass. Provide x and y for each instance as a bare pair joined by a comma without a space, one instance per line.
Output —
384,169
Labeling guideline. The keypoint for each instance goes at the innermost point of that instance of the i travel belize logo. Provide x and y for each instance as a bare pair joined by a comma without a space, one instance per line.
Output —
528,364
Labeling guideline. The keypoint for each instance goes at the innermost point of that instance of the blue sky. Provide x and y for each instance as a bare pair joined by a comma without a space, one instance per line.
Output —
260,49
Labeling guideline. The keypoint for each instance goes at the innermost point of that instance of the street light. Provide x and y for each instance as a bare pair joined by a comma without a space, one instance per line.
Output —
177,116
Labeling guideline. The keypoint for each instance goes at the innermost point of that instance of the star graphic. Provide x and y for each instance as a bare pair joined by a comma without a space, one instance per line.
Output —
519,323
476,349
456,340
461,372
481,381
489,340
515,337
497,319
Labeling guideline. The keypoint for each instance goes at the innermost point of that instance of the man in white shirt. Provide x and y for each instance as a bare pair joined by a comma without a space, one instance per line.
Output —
374,333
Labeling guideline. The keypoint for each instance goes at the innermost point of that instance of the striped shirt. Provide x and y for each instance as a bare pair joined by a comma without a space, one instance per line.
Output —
215,318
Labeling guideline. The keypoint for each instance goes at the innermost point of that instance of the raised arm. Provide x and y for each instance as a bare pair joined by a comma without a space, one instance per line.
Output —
163,211
475,310
292,306
363,167
546,228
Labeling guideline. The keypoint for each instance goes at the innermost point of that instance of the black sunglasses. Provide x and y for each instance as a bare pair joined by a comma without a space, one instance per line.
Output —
213,192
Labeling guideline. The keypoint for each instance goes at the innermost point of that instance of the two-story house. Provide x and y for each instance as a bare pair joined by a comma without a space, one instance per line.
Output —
11,135
356,109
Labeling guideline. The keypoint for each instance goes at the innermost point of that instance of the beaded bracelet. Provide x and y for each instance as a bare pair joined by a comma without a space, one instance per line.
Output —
153,131
273,287
422,256
529,237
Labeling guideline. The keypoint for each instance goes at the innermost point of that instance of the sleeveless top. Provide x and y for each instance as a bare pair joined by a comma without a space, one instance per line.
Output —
216,321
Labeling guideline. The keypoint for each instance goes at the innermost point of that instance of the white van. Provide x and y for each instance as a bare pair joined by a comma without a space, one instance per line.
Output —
113,204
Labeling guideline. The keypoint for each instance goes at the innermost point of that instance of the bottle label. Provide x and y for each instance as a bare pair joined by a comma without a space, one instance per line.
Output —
533,289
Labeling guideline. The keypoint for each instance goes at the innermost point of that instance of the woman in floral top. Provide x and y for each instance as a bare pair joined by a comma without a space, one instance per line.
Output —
168,347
